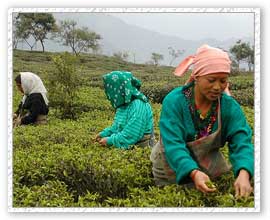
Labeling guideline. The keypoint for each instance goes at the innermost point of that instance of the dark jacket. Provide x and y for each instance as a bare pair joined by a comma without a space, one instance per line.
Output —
35,105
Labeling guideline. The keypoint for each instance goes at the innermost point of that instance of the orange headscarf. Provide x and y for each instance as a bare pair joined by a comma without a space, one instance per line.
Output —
207,60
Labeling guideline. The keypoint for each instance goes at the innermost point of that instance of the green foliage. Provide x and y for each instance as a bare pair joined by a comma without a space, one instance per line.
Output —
51,194
78,162
243,51
64,83
210,184
156,57
36,25
180,196
89,200
244,97
79,39
122,55
60,164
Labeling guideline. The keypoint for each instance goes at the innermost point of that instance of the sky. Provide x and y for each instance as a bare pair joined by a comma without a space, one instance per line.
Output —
264,108
195,26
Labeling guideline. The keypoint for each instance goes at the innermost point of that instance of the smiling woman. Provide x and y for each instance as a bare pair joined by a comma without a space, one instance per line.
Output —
196,121
208,88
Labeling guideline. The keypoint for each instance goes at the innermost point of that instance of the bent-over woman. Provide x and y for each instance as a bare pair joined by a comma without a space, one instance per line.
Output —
196,120
33,108
133,120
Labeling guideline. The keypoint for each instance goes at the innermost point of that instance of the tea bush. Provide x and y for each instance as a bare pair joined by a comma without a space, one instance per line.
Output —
60,164
70,155
51,194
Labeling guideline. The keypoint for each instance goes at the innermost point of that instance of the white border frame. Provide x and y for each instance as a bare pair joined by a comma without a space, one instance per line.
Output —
257,130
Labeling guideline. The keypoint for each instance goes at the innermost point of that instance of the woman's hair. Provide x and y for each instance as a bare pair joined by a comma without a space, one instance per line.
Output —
18,79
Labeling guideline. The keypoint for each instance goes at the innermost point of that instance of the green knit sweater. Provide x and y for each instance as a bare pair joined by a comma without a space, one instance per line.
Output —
176,128
130,124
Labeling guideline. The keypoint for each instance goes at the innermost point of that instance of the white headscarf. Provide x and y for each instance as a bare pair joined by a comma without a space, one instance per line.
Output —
31,83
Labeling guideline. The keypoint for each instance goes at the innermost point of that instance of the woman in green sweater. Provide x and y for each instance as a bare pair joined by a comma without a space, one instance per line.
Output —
133,120
196,120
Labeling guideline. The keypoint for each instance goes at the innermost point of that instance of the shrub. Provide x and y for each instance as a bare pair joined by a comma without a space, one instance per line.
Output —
64,85
51,194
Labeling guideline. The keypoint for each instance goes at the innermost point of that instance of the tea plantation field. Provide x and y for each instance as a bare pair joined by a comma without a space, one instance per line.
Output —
60,165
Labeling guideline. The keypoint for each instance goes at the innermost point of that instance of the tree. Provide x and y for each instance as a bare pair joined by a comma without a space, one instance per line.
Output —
242,51
250,58
35,25
156,58
124,55
97,49
134,57
79,39
174,54
21,32
15,33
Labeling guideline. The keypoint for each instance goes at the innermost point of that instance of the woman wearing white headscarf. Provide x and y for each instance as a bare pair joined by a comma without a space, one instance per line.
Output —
33,108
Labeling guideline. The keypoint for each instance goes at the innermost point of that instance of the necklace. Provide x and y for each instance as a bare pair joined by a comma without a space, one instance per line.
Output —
203,124
199,112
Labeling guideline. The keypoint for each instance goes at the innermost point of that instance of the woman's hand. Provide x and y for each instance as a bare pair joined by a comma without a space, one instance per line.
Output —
17,122
97,138
200,179
242,184
103,141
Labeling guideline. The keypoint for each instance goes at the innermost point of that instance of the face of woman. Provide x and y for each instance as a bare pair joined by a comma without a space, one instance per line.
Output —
211,86
19,86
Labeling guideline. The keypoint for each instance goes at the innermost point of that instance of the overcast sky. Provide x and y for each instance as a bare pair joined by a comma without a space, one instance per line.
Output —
194,26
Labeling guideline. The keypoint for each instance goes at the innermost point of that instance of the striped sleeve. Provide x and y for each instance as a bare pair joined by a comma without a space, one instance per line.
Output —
110,130
135,127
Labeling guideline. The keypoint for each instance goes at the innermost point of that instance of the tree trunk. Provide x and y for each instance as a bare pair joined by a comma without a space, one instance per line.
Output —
249,67
134,60
172,61
42,44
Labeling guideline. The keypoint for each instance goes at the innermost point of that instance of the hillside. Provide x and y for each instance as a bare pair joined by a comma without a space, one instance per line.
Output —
140,42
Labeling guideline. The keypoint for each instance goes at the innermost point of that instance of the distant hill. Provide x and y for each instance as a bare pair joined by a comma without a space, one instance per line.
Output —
141,43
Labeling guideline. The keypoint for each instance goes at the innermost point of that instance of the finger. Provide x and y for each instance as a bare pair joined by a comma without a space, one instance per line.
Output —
207,189
204,188
237,191
201,189
242,193
246,192
250,191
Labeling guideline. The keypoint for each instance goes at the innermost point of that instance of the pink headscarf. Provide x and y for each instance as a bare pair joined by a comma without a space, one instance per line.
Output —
207,60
